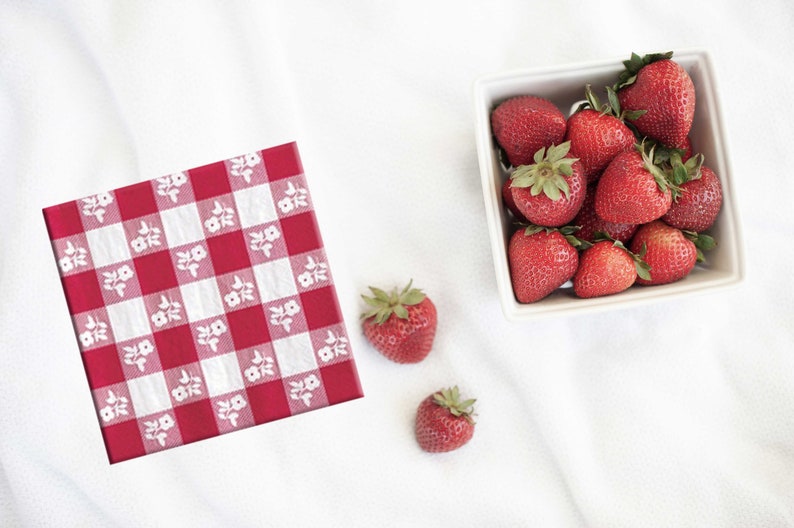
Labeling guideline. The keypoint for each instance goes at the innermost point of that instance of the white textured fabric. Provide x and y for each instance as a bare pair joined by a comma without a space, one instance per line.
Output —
676,414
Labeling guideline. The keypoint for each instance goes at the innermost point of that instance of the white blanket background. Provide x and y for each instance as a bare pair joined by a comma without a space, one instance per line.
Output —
679,414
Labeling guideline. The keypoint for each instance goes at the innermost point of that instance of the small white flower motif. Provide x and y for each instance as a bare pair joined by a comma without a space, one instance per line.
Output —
222,216
169,311
335,346
74,256
189,260
232,299
138,244
116,406
315,271
169,185
95,331
294,197
159,319
260,366
263,240
209,335
66,264
302,390
179,393
149,236
136,354
283,315
242,290
96,206
117,280
157,429
212,224
227,409
190,385
242,166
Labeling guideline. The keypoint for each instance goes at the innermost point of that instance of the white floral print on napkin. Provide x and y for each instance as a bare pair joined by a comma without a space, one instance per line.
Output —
229,409
335,346
261,366
222,216
210,335
315,271
189,385
117,280
302,390
189,260
158,429
95,205
282,315
242,167
169,185
263,240
136,354
116,406
294,197
73,257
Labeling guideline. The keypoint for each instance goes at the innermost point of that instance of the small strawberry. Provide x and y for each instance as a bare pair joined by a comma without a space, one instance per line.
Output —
402,326
590,224
524,124
607,267
632,189
541,260
670,252
662,88
444,422
550,191
597,133
699,203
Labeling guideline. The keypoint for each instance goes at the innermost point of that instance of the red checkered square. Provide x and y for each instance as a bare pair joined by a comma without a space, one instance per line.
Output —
228,252
136,200
341,382
268,402
196,421
209,181
63,220
321,308
175,346
155,272
301,233
102,366
82,292
248,327
282,161
123,441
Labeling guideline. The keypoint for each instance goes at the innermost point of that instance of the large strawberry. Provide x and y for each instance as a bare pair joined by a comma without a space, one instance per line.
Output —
550,191
401,325
443,421
699,203
632,189
662,88
670,252
541,260
597,133
590,224
509,201
524,124
607,267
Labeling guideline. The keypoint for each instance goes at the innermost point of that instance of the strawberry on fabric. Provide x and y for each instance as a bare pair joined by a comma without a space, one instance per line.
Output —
524,124
590,224
400,325
662,88
632,189
597,133
444,422
606,268
541,260
550,191
699,203
670,252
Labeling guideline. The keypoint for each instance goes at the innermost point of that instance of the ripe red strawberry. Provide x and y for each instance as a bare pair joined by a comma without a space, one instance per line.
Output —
541,260
632,189
590,223
550,191
510,203
668,252
699,203
597,133
444,422
402,326
524,124
607,267
662,88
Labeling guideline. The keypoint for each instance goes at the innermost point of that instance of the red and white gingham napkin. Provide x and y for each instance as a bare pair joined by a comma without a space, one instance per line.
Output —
202,302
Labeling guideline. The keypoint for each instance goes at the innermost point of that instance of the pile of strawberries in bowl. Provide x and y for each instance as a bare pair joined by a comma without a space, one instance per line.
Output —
615,195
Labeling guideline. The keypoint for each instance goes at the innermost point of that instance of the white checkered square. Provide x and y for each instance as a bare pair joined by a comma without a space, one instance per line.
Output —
108,245
149,394
255,206
128,319
202,299
274,280
294,354
182,225
222,374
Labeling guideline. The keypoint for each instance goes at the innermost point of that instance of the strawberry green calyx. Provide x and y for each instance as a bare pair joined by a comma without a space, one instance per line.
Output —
612,108
659,175
684,171
702,243
450,399
634,64
566,231
548,174
383,304
642,267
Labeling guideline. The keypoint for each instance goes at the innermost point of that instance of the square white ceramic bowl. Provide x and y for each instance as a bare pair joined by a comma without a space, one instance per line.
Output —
564,86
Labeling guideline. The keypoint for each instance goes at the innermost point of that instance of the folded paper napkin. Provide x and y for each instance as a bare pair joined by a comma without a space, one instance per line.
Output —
202,302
